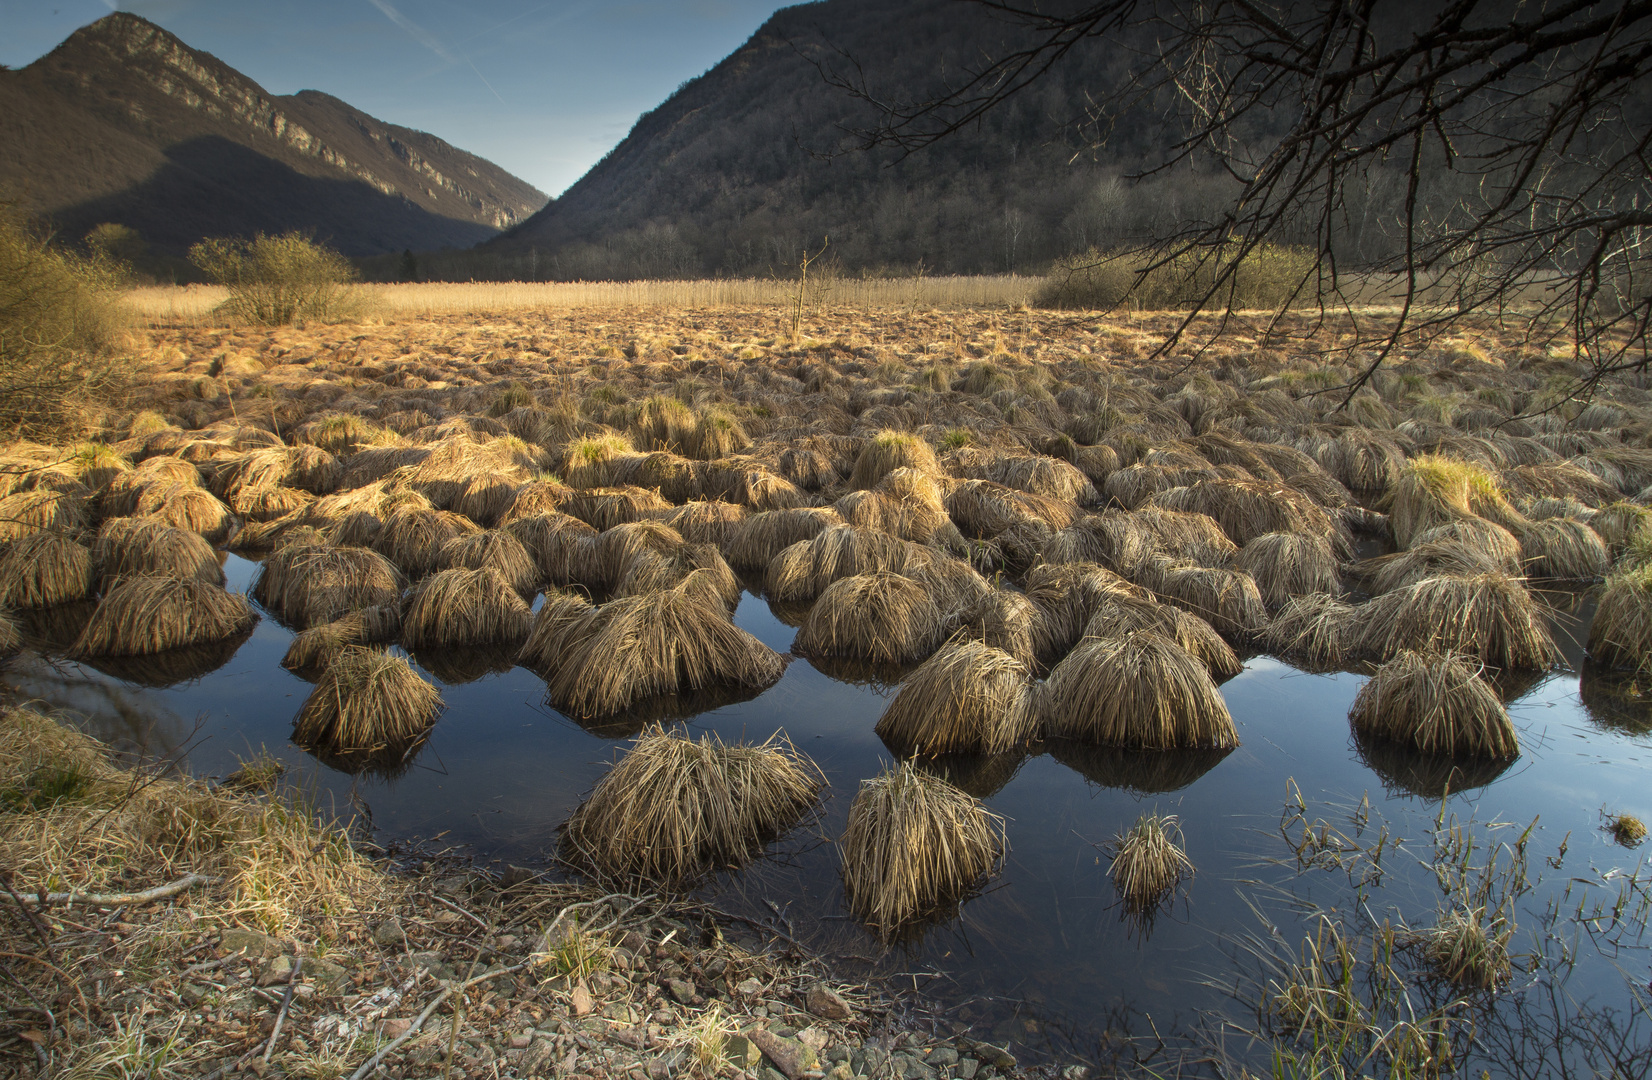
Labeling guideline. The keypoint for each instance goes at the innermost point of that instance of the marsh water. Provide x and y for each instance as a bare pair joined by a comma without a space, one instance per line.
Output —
1045,957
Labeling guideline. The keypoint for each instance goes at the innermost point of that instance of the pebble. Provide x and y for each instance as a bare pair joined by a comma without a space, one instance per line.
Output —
827,1003
522,1040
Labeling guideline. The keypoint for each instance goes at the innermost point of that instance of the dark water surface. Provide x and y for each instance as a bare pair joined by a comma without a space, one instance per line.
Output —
1045,956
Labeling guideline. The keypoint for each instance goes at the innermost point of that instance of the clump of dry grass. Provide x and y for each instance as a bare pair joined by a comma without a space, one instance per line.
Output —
1626,829
1141,691
605,507
758,540
701,562
1319,632
1619,524
1069,595
1426,559
883,617
967,698
365,701
1149,861
1005,620
804,570
315,648
1188,537
888,451
184,506
1467,950
1286,565
154,613
1621,634
674,808
1247,509
1437,704
914,845
1563,549
603,560
985,509
45,569
707,522
464,607
1119,615
1433,491
24,513
1489,616
309,584
558,626
11,638
592,461
1227,599
553,540
494,549
413,537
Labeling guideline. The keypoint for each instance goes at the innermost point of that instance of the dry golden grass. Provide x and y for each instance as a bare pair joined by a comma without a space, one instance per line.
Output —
882,617
806,569
460,607
307,585
1490,616
1120,615
1148,861
915,845
1319,632
1621,634
674,808
967,698
366,700
1469,950
1140,691
494,549
152,613
43,569
1437,704
132,546
1287,565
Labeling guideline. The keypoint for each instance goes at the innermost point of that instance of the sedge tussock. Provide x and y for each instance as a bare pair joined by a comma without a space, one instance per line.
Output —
1469,950
559,627
1187,537
1486,537
1437,704
915,845
366,700
1563,549
804,570
535,498
1319,632
44,569
1149,861
1069,595
756,541
985,509
1120,615
24,513
1005,620
1227,599
663,423
1141,691
603,560
121,495
952,583
701,562
1134,485
1285,565
1489,616
413,537
591,461
1048,477
1247,509
707,522
155,613
888,451
967,698
674,808
1360,459
1426,559
1432,491
717,435
909,519
486,499
307,585
553,540
1557,480
1620,523
639,647
1621,634
883,617
315,648
602,508
494,549
464,607
269,503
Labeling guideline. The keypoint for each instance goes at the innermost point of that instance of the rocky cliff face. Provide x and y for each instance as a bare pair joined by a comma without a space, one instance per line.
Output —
124,122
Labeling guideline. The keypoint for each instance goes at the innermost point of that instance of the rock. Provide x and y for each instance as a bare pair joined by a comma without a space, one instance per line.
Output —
681,989
389,933
250,942
827,1003
521,1040
328,977
840,1071
837,1055
749,988
814,1038
658,1069
966,1068
622,959
714,967
741,1052
395,1027
792,1057
941,1057
505,942
908,1065
1001,1060
280,970
580,1000
633,942
768,1073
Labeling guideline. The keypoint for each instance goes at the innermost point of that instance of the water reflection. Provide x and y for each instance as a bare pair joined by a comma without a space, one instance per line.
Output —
1616,700
172,667
1145,772
1404,771
980,775
466,664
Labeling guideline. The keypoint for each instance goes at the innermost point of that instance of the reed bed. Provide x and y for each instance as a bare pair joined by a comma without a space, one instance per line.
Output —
153,613
915,846
967,698
460,607
1621,634
307,585
1149,861
365,701
674,809
1141,691
1489,616
44,569
128,547
881,617
1437,704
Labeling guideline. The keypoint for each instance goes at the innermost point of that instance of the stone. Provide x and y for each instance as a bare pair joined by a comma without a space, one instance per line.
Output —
966,1068
827,1003
395,1027
622,959
279,971
908,1065
389,933
250,942
1075,1072
814,1038
633,942
837,1055
768,1073
741,1052
580,1000
680,989
749,988
658,1069
840,1071
941,1057
792,1057
521,1040
714,967
1002,1060
328,977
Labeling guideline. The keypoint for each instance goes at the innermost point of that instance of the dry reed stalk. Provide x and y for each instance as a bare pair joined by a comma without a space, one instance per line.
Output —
888,451
804,570
1148,861
1285,565
967,698
1318,632
1141,691
914,844
1621,634
413,537
758,540
882,617
366,700
464,607
307,585
674,809
1120,615
495,549
44,569
1489,616
1437,704
154,613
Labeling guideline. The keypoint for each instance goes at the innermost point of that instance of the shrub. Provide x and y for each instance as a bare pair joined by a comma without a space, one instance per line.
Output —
57,325
277,279
1269,277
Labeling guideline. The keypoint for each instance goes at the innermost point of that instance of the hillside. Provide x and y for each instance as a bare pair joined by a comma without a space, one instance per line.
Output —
744,166
125,123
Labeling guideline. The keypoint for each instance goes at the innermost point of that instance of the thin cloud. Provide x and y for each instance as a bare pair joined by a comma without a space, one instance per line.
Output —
415,31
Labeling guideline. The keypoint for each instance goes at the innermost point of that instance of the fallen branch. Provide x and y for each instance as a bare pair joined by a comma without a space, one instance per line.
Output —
119,899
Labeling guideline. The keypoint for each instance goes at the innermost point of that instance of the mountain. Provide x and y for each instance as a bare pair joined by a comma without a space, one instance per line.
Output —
745,166
125,123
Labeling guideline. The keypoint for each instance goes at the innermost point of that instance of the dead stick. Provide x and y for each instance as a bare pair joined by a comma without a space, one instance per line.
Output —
286,1000
148,896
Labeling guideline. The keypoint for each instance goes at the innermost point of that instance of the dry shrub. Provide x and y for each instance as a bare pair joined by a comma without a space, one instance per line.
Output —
881,616
634,648
891,450
674,809
1437,704
44,569
464,607
1563,549
915,845
1489,616
1318,632
154,613
760,538
307,585
413,537
969,697
494,549
1141,691
804,570
1285,565
1621,634
273,280
707,522
1120,615
365,701
1148,861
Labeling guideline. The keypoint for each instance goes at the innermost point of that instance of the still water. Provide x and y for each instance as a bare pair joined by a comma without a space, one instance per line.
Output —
1045,957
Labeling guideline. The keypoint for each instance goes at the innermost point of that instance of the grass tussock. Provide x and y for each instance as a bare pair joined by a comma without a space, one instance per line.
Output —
603,508
760,538
464,607
1489,616
1140,691
1149,861
915,845
888,451
1228,600
967,698
1318,632
1005,620
1625,829
1069,595
413,537
675,808
309,584
804,570
1437,704
708,522
1433,491
184,506
152,614
43,570
313,649
494,549
1426,559
699,563
1468,950
1121,615
882,617
1287,565
365,701
1621,634
24,513
1563,550
603,560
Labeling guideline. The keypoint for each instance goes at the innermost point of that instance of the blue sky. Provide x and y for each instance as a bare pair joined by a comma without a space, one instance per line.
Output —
541,87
